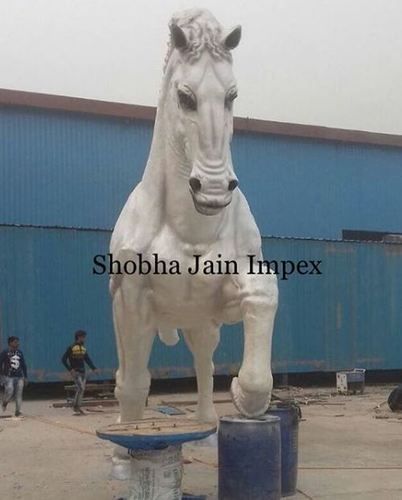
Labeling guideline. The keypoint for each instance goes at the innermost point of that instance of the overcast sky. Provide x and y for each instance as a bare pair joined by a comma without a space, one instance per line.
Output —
325,62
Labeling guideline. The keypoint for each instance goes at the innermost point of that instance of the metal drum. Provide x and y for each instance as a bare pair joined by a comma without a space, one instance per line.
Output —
249,458
289,422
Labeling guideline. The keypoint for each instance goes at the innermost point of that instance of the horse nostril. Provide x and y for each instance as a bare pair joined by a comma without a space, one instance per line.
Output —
195,184
233,184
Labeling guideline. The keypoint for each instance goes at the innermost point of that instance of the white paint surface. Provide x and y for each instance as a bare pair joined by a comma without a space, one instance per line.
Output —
171,219
325,62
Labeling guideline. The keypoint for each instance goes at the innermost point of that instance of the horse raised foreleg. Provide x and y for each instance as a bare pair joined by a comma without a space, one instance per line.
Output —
135,335
251,391
202,344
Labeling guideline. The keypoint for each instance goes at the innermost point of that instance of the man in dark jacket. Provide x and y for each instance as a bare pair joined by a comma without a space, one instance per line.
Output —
14,372
74,360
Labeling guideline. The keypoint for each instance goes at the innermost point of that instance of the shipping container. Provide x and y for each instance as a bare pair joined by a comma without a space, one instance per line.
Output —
67,166
350,315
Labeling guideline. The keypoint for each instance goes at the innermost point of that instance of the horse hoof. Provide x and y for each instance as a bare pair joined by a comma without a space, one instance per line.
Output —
249,404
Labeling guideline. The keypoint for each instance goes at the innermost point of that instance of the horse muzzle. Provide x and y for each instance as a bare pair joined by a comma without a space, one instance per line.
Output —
212,196
210,205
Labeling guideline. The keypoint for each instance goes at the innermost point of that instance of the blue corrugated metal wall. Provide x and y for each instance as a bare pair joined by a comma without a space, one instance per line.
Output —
349,316
76,170
65,169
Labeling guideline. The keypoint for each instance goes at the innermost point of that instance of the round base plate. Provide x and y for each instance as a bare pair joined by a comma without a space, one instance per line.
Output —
155,433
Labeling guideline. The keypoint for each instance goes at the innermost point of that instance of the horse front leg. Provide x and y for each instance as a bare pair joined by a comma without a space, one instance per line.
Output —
134,335
251,391
202,343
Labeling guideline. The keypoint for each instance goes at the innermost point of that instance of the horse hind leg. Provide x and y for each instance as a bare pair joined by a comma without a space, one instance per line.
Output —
134,337
202,343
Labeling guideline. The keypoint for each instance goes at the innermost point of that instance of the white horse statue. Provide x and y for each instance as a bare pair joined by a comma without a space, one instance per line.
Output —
188,220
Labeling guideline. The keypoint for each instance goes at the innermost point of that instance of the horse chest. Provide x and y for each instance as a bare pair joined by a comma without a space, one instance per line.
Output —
196,278
190,278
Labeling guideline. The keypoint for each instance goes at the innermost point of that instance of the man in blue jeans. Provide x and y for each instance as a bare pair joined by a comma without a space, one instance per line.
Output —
14,372
74,360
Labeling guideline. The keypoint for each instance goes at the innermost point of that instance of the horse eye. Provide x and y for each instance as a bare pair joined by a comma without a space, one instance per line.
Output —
187,101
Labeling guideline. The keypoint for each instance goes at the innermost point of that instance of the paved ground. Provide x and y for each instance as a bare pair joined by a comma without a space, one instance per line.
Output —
348,450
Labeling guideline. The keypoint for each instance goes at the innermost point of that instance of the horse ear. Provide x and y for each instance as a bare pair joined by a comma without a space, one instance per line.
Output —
178,37
232,39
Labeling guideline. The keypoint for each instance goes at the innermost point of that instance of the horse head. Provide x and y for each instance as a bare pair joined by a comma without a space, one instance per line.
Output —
201,92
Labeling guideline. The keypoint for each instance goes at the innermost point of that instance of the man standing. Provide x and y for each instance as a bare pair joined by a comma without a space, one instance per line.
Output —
74,360
14,371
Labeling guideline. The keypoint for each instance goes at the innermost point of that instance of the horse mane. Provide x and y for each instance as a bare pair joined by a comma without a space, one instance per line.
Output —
203,32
